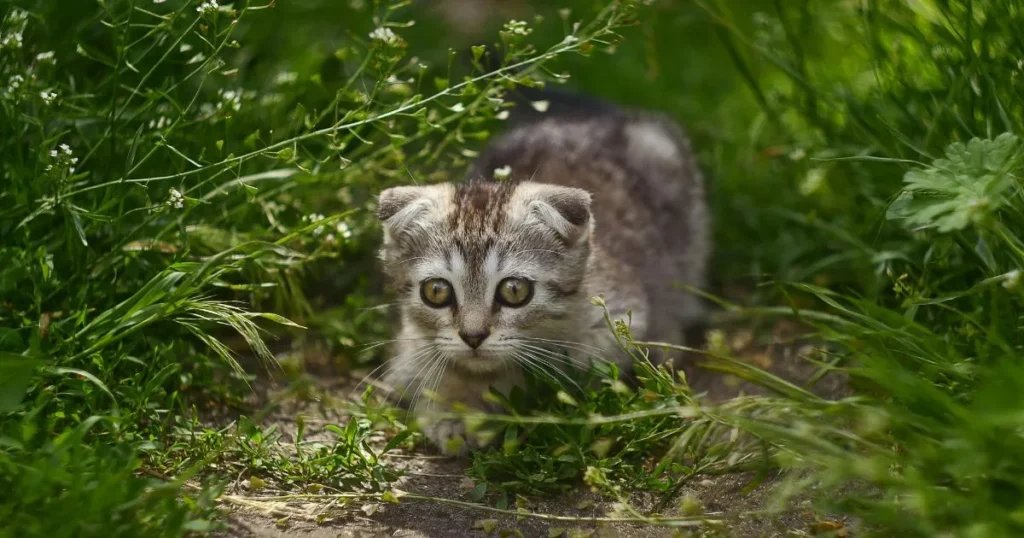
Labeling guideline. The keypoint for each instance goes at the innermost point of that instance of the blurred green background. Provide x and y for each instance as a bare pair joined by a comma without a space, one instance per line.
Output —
174,181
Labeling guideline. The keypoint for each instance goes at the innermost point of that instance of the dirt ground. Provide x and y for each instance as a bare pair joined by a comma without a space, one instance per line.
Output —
725,497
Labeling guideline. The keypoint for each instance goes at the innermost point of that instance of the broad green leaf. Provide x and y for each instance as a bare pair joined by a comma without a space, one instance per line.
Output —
967,187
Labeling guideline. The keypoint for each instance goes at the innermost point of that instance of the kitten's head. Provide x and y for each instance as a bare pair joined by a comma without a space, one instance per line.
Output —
481,268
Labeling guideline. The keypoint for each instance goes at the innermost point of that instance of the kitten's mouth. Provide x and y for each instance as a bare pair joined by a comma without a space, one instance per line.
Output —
479,362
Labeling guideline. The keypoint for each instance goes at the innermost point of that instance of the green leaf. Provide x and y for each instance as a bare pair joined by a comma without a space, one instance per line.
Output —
393,496
478,492
565,398
279,319
967,187
16,372
601,447
511,442
88,377
396,440
486,525
478,52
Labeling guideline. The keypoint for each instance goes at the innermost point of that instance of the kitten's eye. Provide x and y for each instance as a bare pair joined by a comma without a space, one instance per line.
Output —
515,292
437,292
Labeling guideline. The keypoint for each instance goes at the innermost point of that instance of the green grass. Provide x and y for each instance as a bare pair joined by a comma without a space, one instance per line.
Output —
211,217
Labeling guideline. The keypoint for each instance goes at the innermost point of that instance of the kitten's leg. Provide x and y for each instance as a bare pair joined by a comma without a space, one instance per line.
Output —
450,435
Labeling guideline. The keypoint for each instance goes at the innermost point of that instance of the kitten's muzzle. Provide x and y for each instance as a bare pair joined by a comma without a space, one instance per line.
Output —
474,339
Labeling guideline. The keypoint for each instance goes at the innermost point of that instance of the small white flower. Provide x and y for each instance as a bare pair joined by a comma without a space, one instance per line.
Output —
13,41
14,83
541,106
74,160
48,97
384,35
270,99
207,8
515,27
458,107
53,153
66,149
570,39
159,123
230,99
17,17
46,57
344,230
503,115
503,173
175,199
286,77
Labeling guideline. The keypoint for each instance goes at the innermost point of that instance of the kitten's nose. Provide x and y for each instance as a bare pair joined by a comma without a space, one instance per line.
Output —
474,339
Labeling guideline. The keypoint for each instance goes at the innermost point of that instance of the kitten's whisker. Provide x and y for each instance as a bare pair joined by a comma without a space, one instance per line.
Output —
366,379
546,359
567,360
555,358
546,369
386,364
555,252
572,346
437,360
564,342
384,306
439,377
524,362
414,356
551,355
425,363
378,343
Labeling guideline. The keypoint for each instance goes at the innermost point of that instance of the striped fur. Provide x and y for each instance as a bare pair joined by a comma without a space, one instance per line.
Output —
610,203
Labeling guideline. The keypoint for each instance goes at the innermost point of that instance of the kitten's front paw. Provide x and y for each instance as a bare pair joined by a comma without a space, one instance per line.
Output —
449,436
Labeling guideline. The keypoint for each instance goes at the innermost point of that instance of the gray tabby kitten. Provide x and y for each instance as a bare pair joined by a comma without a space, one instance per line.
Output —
493,276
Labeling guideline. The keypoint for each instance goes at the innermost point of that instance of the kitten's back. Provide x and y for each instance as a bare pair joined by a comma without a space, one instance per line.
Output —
649,202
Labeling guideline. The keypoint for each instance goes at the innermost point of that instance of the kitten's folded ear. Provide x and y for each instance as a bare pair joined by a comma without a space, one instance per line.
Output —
404,210
566,210
393,200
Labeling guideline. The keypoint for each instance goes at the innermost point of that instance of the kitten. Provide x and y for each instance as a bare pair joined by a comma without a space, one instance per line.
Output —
492,276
